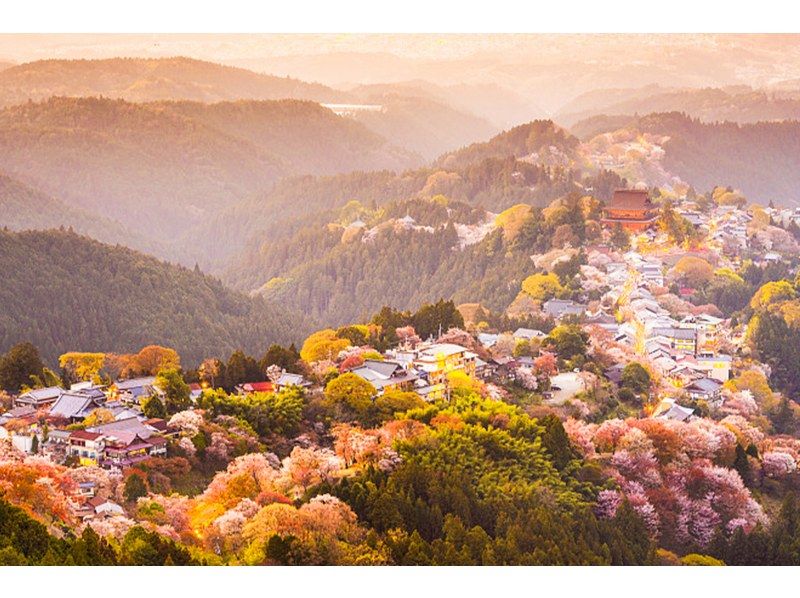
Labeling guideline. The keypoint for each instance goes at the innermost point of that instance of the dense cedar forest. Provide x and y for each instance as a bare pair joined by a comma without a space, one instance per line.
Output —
521,141
62,291
339,273
492,183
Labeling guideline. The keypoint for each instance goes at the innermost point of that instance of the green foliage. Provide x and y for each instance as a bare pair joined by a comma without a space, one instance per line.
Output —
154,408
431,318
242,368
759,158
19,366
327,277
121,300
568,341
487,488
176,391
135,487
777,343
701,560
267,413
387,405
636,378
286,359
350,396
141,547
520,141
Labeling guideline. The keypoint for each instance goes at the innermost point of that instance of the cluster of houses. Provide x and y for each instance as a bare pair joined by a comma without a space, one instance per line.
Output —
51,421
422,368
685,352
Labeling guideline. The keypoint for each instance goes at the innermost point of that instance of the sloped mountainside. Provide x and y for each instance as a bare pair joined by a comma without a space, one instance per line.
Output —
737,104
539,141
761,159
64,292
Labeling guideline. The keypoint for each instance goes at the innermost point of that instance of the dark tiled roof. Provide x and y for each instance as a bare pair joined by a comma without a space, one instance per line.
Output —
38,395
72,404
630,199
679,333
705,385
136,383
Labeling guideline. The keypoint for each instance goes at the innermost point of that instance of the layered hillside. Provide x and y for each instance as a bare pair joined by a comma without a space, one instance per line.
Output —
62,292
350,262
426,126
162,168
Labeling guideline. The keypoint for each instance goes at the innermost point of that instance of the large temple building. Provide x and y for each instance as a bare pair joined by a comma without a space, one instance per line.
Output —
632,209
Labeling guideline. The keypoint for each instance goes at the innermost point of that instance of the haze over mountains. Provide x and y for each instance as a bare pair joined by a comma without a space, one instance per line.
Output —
740,104
252,178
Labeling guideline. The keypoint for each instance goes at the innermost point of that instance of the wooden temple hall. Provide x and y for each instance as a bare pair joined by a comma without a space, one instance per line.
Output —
632,209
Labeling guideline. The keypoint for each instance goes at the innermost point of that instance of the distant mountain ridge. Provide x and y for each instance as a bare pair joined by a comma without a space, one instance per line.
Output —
737,104
25,208
148,79
421,125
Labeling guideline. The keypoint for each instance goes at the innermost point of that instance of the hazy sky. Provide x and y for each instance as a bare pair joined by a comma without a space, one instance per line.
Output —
25,47
549,69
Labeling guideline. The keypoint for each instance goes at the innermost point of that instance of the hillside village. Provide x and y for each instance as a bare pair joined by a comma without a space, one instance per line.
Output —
634,340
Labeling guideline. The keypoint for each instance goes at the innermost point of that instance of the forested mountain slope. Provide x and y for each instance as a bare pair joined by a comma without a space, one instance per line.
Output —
540,141
407,253
427,127
162,168
761,159
62,292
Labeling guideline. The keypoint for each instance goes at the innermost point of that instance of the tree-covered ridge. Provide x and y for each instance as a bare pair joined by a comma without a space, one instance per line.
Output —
736,104
65,292
425,126
541,137
303,136
761,159
341,271
299,202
